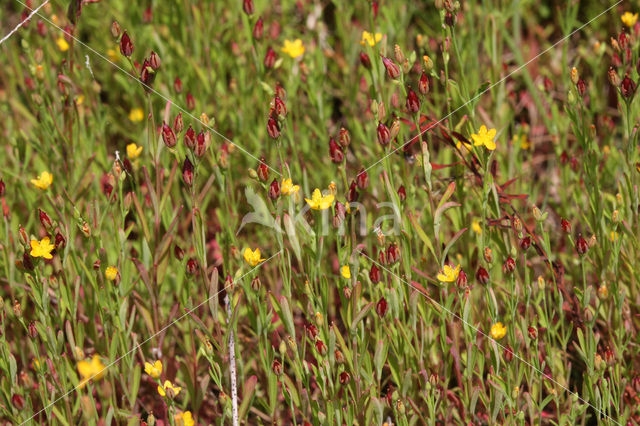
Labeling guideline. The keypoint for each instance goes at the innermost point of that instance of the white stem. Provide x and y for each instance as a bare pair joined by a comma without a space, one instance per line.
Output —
232,364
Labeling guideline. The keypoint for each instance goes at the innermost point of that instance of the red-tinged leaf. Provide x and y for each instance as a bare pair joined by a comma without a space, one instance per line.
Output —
418,287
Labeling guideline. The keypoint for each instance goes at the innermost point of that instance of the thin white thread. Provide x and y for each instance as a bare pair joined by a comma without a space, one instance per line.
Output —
34,11
151,89
562,40
189,311
477,330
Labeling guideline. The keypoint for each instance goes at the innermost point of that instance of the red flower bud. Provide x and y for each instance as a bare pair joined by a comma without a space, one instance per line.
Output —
482,275
548,84
33,331
154,61
45,220
178,124
258,29
201,145
374,274
168,136
60,241
344,378
623,40
365,60
423,84
581,246
335,152
508,354
263,170
273,128
191,102
270,58
509,265
3,188
247,6
312,330
279,106
352,194
533,333
126,46
402,193
17,401
178,252
393,253
147,74
413,103
344,138
362,179
627,87
192,266
321,347
276,367
187,172
177,85
462,280
581,86
384,135
382,257
274,190
381,307
566,226
190,138
393,70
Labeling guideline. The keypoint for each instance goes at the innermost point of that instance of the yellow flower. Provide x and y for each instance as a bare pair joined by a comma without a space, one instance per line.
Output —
169,388
184,419
333,189
62,44
485,137
111,273
475,226
498,331
370,38
614,236
288,188
154,370
44,180
42,248
252,257
136,114
345,271
90,370
133,151
522,140
294,48
113,54
629,19
448,274
318,201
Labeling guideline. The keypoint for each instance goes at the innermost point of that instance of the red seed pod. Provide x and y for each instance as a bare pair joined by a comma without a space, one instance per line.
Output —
509,265
178,252
154,61
365,60
45,220
362,179
191,102
335,152
462,279
247,6
177,85
627,87
178,124
508,354
190,138
273,128
344,378
393,70
192,266
533,333
581,86
393,253
60,241
276,367
201,145
384,135
270,58
525,243
423,84
352,193
279,107
258,29
566,226
321,347
274,190
263,170
413,103
375,274
402,193
168,136
581,246
381,307
126,45
344,138
187,172
482,275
